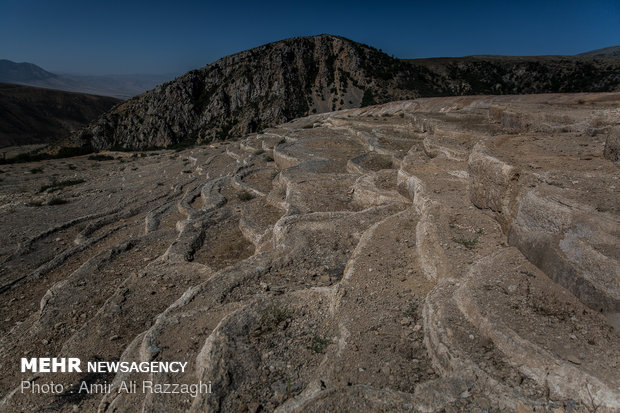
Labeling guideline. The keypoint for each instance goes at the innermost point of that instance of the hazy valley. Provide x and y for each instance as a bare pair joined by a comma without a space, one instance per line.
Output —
117,86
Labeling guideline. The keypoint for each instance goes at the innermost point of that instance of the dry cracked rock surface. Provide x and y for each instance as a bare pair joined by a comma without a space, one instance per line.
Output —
445,254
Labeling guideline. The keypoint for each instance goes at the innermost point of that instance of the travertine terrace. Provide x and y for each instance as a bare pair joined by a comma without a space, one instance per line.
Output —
443,254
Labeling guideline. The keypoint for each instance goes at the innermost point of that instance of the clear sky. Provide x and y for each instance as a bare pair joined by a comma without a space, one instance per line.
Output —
122,37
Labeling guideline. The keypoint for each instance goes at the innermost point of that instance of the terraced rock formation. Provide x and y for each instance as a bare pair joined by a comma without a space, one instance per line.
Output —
444,254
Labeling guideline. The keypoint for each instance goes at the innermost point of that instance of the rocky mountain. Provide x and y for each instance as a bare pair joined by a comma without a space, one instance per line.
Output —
277,82
118,86
251,90
613,51
30,115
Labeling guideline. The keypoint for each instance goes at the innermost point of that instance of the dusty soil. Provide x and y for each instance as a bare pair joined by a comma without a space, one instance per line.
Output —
446,254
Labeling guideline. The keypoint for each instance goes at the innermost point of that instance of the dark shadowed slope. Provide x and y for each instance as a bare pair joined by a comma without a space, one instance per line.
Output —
33,115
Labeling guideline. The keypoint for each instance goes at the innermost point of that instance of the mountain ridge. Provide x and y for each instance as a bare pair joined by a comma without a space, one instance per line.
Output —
250,90
611,51
13,72
274,83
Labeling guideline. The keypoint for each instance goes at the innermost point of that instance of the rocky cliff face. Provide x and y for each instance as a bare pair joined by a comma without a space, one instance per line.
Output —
277,82
248,91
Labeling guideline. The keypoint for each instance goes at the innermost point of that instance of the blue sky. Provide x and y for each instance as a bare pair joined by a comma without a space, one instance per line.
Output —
104,37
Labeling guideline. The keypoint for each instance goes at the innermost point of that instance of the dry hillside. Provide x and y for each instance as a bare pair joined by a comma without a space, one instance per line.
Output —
30,115
431,255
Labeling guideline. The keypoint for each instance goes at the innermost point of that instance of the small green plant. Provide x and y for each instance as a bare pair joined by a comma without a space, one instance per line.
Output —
412,310
268,158
368,98
273,315
246,196
57,201
100,158
384,163
319,344
184,144
467,243
54,186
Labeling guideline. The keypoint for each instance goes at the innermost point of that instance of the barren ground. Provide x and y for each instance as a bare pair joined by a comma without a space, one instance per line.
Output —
445,254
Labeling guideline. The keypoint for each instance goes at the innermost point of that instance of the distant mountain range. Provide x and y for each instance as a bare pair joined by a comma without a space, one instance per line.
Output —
11,72
119,86
613,51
